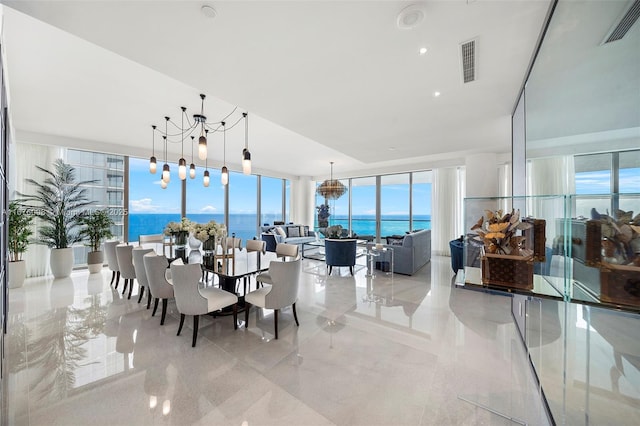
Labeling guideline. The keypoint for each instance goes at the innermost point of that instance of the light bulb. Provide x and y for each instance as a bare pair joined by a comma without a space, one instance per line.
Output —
224,176
152,165
192,171
153,401
202,148
182,169
166,407
246,162
166,173
205,179
163,184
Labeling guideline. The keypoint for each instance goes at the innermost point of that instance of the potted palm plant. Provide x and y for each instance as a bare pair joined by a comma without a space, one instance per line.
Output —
58,202
19,233
96,228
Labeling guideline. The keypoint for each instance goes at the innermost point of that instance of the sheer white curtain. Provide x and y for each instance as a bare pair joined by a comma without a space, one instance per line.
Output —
447,208
551,176
25,158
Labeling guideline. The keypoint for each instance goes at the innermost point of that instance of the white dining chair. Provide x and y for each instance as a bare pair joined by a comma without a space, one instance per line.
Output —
284,251
282,292
124,254
112,260
196,301
141,273
156,268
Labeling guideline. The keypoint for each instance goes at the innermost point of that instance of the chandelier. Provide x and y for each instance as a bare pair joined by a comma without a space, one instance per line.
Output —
203,127
331,189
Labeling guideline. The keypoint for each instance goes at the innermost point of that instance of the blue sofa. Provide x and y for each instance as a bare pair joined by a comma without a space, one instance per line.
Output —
295,234
411,252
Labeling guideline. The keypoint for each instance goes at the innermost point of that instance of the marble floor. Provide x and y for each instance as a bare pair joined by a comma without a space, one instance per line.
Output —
392,350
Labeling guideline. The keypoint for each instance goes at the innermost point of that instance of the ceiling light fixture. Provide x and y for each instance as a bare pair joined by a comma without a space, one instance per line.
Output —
187,129
205,178
246,155
331,189
208,11
152,161
423,50
224,175
436,94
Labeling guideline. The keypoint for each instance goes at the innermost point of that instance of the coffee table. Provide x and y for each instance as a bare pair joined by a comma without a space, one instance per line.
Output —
318,245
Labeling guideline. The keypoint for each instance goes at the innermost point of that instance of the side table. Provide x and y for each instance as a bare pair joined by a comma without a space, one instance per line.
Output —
373,253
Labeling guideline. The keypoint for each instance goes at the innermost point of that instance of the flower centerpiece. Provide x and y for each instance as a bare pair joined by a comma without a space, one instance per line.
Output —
179,230
208,233
507,260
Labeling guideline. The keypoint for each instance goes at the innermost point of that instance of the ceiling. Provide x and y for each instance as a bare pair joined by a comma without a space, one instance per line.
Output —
322,80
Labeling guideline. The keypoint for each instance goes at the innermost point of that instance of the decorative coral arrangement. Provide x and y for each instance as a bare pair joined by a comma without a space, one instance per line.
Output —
499,233
621,238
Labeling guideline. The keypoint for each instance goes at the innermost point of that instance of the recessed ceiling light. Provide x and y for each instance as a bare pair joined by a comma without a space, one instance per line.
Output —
436,94
392,148
410,17
423,50
208,11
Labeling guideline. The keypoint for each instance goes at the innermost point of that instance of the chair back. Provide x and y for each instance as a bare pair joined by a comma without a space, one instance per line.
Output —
155,241
138,265
256,245
186,279
270,241
286,279
230,243
110,253
340,252
156,268
287,250
124,254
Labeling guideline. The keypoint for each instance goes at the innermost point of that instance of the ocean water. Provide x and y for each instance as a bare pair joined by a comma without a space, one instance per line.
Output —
244,225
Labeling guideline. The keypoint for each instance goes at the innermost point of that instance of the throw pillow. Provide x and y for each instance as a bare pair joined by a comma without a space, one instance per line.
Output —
395,241
305,230
281,232
294,231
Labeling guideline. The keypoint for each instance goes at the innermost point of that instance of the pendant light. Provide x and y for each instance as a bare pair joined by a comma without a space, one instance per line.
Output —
202,142
246,155
192,167
205,178
331,189
224,176
166,170
182,163
152,161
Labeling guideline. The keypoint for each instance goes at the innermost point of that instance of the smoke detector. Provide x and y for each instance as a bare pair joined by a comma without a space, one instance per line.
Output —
410,17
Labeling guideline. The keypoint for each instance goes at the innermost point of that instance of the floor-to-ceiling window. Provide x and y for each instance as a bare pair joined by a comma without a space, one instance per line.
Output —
107,193
150,206
421,184
205,203
243,196
363,206
394,204
271,200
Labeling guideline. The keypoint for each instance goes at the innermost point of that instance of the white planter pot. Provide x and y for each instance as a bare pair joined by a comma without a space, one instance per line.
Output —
61,262
95,260
17,272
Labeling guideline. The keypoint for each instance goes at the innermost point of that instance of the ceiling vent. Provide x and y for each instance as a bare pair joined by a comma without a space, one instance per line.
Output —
468,60
624,23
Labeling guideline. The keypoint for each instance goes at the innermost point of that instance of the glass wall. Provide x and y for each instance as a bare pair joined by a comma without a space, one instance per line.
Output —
421,200
243,202
394,204
271,200
150,206
106,193
205,203
363,206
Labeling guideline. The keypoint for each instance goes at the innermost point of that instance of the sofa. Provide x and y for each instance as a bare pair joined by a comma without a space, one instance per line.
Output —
289,234
410,251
